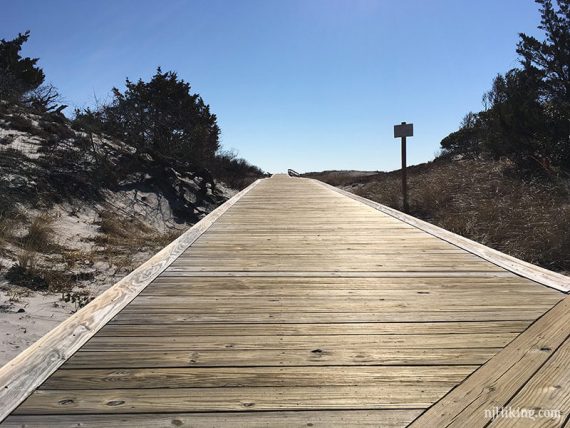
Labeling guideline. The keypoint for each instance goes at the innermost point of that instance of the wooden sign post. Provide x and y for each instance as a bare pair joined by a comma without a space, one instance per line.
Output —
402,131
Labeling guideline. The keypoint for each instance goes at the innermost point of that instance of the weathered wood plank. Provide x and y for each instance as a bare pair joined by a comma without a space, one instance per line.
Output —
278,266
396,396
345,274
494,384
294,419
548,391
339,355
319,306
122,378
480,285
420,293
365,341
227,329
332,302
403,315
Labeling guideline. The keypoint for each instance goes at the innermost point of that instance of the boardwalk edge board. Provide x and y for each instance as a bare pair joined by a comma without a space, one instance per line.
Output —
28,370
497,382
528,270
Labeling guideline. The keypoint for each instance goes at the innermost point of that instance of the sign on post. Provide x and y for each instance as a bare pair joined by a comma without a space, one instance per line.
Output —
402,131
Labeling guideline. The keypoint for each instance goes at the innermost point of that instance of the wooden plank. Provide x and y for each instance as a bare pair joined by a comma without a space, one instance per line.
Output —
494,384
520,267
295,419
207,343
20,376
344,274
294,329
547,394
418,292
202,343
121,378
447,284
426,294
396,396
476,314
320,307
339,356
261,303
278,267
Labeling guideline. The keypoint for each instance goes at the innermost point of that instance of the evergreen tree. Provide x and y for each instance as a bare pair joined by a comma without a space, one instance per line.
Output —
162,118
514,125
467,140
549,60
18,75
527,114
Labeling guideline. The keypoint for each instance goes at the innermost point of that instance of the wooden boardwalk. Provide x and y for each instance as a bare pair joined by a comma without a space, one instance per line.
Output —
300,306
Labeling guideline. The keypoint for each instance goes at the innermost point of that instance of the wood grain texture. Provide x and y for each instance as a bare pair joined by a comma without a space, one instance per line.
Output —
322,329
337,356
255,377
520,267
547,391
264,318
380,341
296,419
20,376
502,377
298,306
362,397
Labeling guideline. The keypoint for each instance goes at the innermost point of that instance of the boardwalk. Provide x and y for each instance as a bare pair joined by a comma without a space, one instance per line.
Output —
300,306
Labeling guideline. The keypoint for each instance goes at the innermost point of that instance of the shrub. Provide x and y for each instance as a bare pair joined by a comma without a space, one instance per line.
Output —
22,124
26,277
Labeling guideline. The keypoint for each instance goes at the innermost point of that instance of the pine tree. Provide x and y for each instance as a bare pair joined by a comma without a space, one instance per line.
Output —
162,118
17,75
550,60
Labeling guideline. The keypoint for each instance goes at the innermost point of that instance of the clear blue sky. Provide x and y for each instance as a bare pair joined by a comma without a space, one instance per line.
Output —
303,84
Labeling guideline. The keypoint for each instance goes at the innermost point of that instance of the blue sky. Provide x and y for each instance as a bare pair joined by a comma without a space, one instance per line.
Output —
303,84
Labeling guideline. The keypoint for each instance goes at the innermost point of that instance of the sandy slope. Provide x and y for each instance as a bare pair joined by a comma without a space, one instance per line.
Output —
89,255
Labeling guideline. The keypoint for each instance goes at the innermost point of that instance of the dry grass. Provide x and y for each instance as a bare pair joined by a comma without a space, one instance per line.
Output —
38,239
26,273
33,246
73,258
57,281
26,259
119,231
345,178
485,201
5,228
163,239
16,295
121,237
39,236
